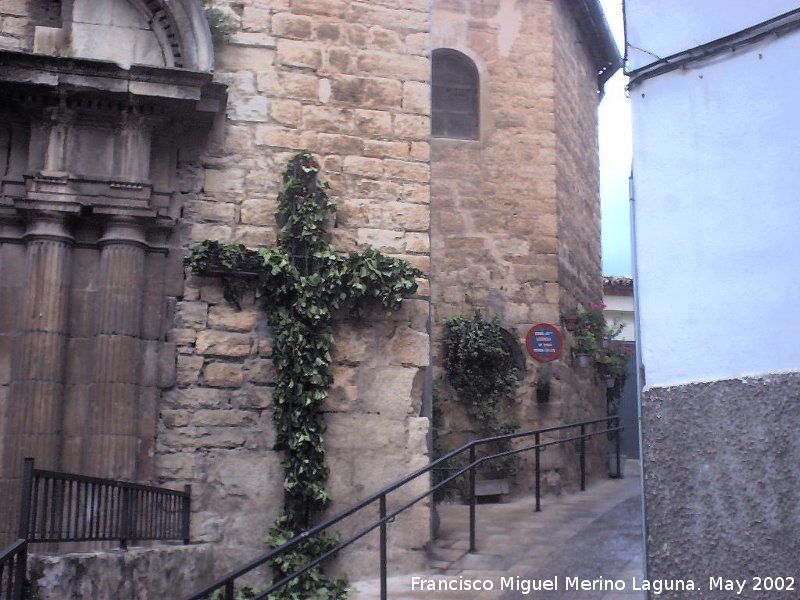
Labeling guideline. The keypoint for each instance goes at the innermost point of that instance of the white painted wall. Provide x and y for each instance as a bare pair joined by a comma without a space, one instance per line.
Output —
659,28
619,311
717,204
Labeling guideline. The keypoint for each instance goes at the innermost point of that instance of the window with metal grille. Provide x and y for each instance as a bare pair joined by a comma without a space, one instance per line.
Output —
455,98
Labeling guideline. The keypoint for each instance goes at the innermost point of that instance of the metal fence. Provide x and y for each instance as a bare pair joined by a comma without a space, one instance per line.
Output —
64,507
225,588
12,570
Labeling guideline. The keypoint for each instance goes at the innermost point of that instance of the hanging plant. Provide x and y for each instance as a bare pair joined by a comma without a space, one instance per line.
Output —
220,23
481,369
301,284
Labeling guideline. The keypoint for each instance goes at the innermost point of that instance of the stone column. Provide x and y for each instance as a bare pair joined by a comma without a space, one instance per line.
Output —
34,409
111,444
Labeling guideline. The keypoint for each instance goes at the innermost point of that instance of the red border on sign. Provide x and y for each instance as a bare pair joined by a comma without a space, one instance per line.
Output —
541,357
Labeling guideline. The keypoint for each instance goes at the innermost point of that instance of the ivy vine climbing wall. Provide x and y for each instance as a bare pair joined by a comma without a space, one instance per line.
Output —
302,283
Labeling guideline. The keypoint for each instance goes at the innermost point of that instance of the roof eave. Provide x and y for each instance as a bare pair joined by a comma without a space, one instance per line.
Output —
601,45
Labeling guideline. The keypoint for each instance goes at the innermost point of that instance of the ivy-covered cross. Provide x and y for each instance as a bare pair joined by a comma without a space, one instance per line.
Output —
302,283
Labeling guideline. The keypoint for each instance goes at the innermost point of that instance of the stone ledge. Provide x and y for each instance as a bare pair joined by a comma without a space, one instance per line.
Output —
136,573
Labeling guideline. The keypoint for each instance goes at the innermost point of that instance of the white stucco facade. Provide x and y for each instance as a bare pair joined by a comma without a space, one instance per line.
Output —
660,28
619,311
715,187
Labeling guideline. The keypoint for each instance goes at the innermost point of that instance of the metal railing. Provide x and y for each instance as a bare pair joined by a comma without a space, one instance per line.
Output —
224,588
64,507
12,570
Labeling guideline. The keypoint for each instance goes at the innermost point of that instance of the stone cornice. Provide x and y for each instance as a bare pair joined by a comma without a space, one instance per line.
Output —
87,75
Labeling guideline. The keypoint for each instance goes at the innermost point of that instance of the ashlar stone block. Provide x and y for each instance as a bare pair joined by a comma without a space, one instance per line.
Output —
188,369
223,375
407,170
286,112
317,8
415,127
363,166
293,53
244,58
221,343
292,26
367,92
417,97
387,64
409,347
373,122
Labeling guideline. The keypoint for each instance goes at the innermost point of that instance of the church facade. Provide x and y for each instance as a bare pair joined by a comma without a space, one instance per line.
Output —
459,135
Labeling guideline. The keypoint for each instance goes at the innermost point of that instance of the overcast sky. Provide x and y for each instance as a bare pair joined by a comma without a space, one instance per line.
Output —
615,160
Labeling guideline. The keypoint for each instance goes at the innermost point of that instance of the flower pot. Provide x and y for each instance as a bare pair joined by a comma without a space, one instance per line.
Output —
583,360
611,381
605,343
570,323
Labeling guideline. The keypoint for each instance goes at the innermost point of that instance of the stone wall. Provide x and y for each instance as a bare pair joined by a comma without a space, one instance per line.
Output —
16,24
133,574
577,184
577,189
498,204
349,81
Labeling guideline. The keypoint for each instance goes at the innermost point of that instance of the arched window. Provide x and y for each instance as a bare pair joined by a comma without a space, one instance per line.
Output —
455,99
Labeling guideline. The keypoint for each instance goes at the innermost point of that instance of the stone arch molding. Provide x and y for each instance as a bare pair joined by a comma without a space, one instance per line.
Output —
158,33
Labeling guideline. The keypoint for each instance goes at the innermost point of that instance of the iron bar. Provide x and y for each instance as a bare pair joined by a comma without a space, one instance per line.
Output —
538,451
34,506
472,547
125,519
382,511
25,508
187,512
19,576
583,458
617,449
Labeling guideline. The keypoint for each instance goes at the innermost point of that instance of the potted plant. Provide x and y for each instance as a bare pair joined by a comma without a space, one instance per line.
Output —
611,364
593,335
570,321
585,348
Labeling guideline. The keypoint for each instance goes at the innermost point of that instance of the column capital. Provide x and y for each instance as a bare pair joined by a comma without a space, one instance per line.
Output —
48,225
124,230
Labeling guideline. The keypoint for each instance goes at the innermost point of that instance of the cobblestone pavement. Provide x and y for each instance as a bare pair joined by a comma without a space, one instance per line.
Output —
593,538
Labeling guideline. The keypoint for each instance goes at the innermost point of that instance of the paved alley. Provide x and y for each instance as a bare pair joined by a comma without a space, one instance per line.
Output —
587,540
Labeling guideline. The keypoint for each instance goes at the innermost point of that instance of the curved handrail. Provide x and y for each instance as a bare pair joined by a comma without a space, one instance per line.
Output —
226,582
